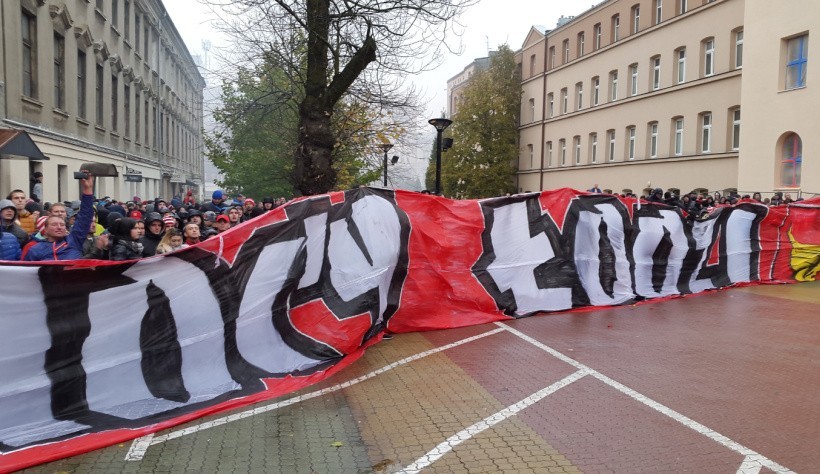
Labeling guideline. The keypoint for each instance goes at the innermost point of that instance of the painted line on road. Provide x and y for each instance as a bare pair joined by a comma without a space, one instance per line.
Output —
750,465
680,418
140,445
446,446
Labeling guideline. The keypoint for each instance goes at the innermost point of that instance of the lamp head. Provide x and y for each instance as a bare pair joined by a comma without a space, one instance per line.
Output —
440,123
386,146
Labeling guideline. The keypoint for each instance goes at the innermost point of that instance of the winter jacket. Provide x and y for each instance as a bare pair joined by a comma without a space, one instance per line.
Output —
126,250
149,243
71,247
9,247
11,227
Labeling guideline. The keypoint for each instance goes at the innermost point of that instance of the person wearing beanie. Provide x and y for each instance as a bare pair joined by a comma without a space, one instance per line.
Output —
249,210
61,244
216,204
127,233
169,222
208,225
268,204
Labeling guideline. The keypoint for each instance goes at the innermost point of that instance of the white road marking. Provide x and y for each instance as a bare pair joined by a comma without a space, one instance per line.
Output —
446,446
750,465
686,421
140,445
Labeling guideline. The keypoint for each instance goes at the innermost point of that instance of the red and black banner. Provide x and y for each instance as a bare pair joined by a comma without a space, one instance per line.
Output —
95,353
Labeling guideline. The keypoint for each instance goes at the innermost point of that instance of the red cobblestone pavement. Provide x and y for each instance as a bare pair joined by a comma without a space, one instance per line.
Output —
722,382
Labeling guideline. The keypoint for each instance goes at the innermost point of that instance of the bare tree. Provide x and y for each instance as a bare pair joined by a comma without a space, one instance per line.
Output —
358,50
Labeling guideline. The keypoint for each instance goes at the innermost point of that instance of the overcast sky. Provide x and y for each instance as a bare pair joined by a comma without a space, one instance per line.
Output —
488,24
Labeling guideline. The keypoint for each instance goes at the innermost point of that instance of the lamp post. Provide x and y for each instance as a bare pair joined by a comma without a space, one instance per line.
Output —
386,147
440,124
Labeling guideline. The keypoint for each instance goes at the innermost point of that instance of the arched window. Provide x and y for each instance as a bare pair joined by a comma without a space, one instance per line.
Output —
791,159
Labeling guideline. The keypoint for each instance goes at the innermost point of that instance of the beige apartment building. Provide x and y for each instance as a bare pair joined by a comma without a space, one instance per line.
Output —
679,94
457,83
106,81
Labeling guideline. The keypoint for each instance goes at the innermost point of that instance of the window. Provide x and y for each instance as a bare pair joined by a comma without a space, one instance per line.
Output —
532,110
146,41
616,27
682,6
59,71
137,30
99,90
797,50
630,132
596,88
580,44
552,57
738,49
564,100
613,85
127,20
29,36
579,96
145,129
791,160
658,11
633,86
681,72
137,103
656,73
115,7
598,33
593,147
549,154
736,129
577,141
678,136
653,140
636,19
550,105
81,75
563,144
708,57
114,105
566,51
532,65
126,109
611,151
99,5
706,132
531,155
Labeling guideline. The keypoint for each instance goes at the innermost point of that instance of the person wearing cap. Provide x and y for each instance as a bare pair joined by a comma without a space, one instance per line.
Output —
61,244
215,204
208,225
135,215
153,234
223,223
268,204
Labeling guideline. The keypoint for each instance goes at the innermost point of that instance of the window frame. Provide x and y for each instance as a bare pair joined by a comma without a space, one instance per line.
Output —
800,63
681,65
598,32
653,139
82,77
658,11
59,71
29,69
613,85
633,74
736,123
616,27
636,19
581,44
593,147
564,101
678,130
632,135
551,105
795,160
577,147
579,96
706,123
708,57
563,144
596,91
611,149
739,49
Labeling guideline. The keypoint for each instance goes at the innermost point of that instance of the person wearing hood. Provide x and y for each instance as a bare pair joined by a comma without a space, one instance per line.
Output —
127,233
216,205
9,244
61,244
8,215
153,234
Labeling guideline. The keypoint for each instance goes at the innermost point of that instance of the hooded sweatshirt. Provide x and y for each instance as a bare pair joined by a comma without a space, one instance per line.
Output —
9,246
17,231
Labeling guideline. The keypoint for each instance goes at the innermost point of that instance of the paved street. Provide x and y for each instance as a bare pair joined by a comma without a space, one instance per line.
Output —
722,382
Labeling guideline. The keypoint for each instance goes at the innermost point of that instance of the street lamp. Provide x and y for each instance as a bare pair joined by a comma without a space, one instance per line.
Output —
386,147
440,124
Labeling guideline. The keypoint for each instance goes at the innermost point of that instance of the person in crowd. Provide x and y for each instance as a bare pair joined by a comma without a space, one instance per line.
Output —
268,204
25,218
757,197
249,210
189,198
169,221
58,209
215,204
787,198
37,186
223,223
135,214
656,195
59,244
8,216
195,217
777,199
153,234
234,215
126,234
191,234
280,201
96,246
171,241
594,189
208,225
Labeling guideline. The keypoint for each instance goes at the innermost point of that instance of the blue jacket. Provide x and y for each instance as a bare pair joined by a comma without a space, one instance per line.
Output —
9,246
71,247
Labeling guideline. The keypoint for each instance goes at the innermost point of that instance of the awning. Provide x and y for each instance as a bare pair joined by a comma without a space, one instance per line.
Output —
17,142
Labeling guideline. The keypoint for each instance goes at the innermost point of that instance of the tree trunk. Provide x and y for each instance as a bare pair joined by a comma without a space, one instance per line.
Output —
313,170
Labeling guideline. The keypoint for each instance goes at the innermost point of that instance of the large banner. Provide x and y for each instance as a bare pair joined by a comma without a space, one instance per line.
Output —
94,353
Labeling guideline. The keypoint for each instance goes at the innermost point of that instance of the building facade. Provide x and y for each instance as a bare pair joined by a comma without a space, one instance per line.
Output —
637,94
106,81
457,83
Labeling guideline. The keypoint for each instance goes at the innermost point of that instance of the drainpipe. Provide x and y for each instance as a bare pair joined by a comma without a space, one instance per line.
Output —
543,114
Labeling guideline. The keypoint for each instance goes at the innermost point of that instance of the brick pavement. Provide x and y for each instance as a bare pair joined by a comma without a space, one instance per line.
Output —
739,365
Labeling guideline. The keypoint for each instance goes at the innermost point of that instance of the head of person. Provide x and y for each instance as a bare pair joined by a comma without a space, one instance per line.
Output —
18,197
58,209
153,223
248,205
172,238
191,232
235,214
8,211
267,203
209,218
223,223
195,217
169,222
280,201
38,176
217,197
128,228
55,229
756,196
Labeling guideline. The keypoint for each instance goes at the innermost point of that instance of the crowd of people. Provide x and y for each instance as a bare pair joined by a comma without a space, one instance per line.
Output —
107,229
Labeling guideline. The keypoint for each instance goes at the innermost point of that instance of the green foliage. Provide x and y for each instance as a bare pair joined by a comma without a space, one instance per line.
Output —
430,174
485,130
